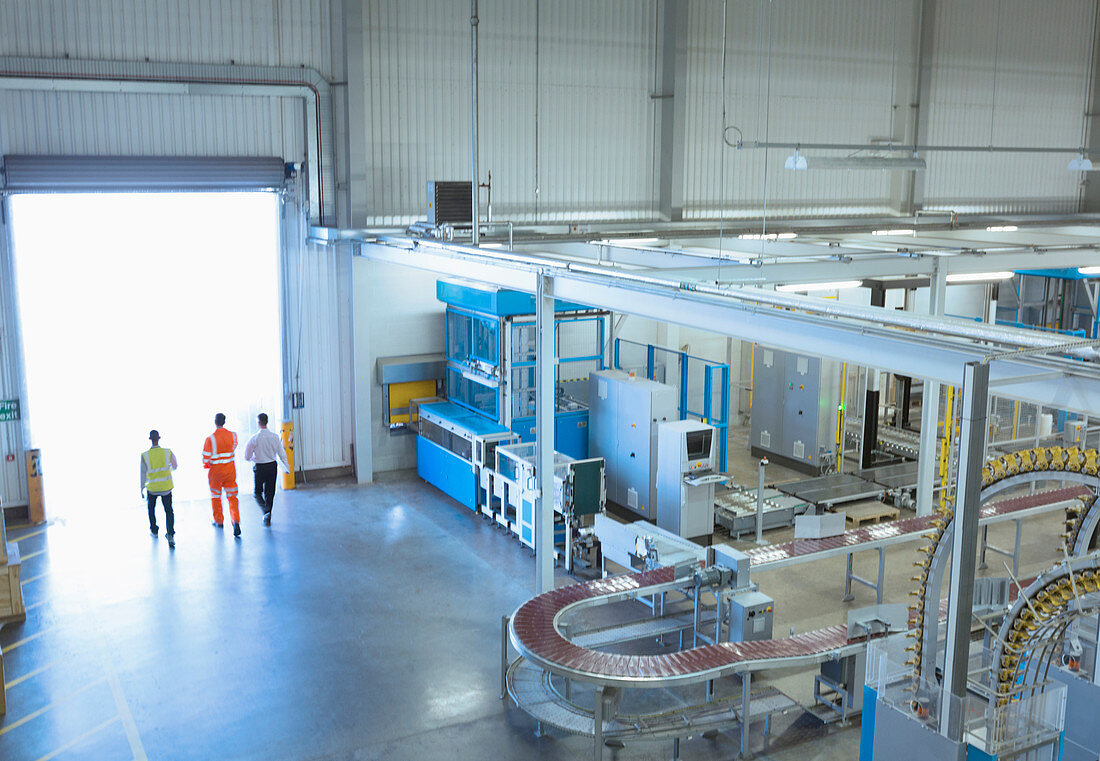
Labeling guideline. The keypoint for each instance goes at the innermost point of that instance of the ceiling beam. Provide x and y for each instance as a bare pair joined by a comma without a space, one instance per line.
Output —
920,354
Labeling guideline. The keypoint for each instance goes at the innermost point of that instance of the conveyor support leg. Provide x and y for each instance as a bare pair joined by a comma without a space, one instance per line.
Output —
876,585
597,726
503,657
746,685
1014,553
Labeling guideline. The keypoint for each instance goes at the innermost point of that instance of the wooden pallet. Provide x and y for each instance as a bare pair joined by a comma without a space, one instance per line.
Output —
859,516
11,592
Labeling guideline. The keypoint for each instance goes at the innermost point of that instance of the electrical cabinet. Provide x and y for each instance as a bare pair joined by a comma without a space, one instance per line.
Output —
751,617
623,418
687,455
795,408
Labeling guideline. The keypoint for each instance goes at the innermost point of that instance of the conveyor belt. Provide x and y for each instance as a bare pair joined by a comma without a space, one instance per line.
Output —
530,687
905,530
535,635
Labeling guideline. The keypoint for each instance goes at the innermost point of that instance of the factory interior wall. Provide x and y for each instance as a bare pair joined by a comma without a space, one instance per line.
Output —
187,327
404,317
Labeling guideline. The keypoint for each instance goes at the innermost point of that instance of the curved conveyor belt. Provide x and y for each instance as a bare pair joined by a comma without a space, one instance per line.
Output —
534,633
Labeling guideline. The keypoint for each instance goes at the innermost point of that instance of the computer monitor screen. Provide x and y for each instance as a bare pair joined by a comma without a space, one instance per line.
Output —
698,444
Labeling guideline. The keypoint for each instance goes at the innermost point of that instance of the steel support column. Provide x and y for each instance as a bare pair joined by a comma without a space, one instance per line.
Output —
475,211
964,543
919,111
672,106
545,391
363,366
1090,186
930,407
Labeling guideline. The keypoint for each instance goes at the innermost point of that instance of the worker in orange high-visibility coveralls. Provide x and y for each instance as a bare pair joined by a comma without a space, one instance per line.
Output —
217,456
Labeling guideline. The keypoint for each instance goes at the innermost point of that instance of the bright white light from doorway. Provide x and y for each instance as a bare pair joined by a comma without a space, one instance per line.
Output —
978,277
1089,270
836,285
144,311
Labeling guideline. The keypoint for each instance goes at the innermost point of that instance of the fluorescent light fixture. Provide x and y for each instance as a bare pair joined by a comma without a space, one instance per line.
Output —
794,161
768,236
898,231
1002,229
628,241
1088,270
977,277
1079,164
881,163
491,245
836,285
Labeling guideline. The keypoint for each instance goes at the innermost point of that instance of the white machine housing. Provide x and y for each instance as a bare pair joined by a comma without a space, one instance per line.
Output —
687,465
624,412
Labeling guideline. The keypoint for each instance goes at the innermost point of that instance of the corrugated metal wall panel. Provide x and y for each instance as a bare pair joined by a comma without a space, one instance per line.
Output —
832,66
13,475
113,124
595,147
596,118
245,32
319,353
1042,68
261,32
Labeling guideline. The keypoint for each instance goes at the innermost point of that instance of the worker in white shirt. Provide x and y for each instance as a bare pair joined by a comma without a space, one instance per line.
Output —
264,449
157,464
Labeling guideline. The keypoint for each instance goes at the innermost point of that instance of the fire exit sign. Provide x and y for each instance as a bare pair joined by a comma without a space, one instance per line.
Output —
9,409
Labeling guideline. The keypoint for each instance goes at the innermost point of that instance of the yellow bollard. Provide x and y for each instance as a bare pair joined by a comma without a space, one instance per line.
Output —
288,444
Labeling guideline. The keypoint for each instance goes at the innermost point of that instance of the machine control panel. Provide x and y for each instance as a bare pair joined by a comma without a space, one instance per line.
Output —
751,615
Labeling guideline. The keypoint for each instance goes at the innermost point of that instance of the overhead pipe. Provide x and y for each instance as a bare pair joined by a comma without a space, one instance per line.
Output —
53,79
942,326
475,210
899,147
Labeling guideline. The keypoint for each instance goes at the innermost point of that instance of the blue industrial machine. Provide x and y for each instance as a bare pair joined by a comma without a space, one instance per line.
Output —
491,338
452,447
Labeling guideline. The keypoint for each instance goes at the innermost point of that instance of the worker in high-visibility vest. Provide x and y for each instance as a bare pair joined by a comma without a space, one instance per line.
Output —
157,464
217,457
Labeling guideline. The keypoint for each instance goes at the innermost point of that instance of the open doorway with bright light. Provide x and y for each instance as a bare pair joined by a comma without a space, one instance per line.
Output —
143,311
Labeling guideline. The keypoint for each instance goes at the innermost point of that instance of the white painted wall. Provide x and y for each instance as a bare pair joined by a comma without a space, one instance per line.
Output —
403,317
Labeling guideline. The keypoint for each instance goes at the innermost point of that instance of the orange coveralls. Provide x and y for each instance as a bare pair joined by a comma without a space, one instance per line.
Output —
217,456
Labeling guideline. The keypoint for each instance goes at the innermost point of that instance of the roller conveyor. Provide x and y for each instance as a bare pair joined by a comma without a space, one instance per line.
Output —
835,489
900,476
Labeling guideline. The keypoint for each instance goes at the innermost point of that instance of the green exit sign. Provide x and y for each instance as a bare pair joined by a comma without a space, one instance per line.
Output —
9,409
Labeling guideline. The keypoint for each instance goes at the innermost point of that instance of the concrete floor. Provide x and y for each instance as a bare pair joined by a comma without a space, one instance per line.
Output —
365,623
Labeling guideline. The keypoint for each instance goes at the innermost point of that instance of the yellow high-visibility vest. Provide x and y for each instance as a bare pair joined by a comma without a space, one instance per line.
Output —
158,470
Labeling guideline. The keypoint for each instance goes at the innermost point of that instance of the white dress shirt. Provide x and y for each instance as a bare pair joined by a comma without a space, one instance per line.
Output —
265,447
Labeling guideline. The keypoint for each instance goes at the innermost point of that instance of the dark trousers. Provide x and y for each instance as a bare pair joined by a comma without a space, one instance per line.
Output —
169,516
264,474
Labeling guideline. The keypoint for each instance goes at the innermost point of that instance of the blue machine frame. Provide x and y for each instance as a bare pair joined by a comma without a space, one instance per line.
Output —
718,416
491,364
